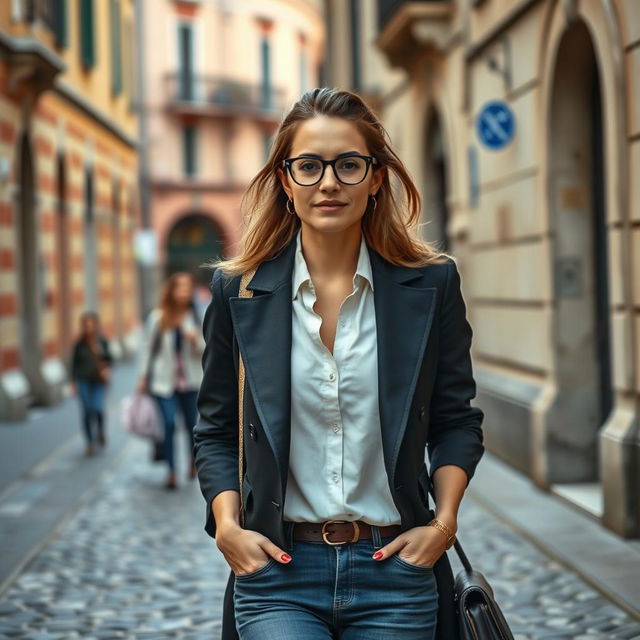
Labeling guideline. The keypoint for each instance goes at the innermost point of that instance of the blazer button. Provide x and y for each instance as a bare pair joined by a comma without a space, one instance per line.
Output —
422,413
253,434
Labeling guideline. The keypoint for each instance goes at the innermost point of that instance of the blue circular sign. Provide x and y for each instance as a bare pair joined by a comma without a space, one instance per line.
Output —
496,125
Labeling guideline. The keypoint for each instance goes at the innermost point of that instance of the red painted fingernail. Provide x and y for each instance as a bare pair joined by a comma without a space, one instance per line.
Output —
377,555
285,557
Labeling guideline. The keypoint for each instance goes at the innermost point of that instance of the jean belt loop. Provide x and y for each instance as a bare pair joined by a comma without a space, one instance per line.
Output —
376,538
289,534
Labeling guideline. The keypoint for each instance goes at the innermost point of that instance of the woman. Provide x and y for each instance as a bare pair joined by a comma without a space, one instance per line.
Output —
171,367
356,353
90,371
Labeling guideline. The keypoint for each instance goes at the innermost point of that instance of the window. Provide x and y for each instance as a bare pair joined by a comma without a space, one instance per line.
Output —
265,56
116,47
189,150
87,33
185,57
356,61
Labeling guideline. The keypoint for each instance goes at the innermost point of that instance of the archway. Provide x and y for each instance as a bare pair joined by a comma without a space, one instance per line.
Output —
435,215
90,243
30,289
193,241
63,250
581,336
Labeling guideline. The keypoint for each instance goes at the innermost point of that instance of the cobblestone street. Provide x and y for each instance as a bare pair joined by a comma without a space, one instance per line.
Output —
135,562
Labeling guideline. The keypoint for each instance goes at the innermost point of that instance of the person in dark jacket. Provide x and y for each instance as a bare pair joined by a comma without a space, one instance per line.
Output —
90,370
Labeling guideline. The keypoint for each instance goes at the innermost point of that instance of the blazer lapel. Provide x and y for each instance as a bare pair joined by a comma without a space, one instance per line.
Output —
404,315
262,326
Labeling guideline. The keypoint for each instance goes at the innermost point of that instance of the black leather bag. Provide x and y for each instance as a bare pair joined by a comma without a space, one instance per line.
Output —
479,616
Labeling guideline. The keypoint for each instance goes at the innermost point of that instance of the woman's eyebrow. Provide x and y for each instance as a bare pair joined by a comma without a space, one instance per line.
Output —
307,154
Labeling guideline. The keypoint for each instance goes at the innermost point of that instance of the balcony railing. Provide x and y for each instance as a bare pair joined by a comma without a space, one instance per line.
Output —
388,8
223,96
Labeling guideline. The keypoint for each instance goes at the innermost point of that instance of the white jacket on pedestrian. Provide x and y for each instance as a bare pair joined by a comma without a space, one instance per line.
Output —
163,369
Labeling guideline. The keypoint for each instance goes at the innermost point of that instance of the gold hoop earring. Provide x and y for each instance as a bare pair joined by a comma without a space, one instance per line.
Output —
291,210
375,203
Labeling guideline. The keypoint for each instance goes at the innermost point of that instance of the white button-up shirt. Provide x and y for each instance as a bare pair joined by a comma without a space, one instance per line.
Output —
336,465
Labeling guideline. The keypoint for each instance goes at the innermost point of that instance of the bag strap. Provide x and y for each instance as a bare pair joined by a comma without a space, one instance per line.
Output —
243,292
155,349
456,545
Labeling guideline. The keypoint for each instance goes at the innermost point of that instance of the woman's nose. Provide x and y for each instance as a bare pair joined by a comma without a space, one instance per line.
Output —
329,180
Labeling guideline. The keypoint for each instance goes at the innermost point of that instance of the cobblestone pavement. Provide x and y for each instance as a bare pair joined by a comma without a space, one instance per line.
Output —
134,562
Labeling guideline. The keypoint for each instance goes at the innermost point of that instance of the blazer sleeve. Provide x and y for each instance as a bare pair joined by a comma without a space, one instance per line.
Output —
455,433
216,433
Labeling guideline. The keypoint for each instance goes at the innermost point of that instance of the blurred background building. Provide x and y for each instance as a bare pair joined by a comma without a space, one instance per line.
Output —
218,76
68,187
537,196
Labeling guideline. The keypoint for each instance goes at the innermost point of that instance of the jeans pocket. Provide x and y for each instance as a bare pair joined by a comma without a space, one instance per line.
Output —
259,571
409,565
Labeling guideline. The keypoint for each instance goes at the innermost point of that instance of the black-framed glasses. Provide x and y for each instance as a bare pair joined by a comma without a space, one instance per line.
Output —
349,168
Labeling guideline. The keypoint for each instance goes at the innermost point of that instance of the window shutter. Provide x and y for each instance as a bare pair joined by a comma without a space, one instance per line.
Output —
60,23
87,31
116,48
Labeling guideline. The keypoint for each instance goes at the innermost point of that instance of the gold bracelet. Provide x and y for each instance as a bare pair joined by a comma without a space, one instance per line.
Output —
441,526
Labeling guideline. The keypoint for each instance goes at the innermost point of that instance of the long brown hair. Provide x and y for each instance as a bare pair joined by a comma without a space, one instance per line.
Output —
390,230
94,339
167,305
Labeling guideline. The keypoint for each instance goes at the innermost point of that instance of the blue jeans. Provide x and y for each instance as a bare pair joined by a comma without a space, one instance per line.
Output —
186,402
91,396
339,593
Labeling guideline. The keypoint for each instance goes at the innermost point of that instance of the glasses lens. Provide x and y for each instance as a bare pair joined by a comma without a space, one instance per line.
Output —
351,170
306,170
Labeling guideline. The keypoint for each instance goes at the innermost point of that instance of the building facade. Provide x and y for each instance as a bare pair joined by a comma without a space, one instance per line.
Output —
520,121
219,75
68,188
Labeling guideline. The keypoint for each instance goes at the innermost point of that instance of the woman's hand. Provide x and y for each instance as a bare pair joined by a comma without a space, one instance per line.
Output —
246,551
422,546
142,385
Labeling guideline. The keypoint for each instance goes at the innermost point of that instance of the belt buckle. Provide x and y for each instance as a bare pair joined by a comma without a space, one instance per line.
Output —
356,532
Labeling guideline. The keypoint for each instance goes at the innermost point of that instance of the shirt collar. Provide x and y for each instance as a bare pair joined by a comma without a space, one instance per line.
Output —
301,272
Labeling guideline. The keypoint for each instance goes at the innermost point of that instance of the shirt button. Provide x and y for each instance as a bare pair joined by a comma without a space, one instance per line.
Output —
336,428
332,376
335,477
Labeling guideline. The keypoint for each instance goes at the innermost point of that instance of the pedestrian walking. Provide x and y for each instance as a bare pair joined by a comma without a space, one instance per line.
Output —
344,338
91,362
171,364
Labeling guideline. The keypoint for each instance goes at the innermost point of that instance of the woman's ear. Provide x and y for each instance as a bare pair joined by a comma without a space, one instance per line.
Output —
378,179
284,181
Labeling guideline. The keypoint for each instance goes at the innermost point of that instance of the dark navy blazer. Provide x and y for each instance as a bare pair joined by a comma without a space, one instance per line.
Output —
425,385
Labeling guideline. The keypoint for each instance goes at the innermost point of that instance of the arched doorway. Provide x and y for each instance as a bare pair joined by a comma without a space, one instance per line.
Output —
63,251
30,289
435,209
581,332
90,244
193,241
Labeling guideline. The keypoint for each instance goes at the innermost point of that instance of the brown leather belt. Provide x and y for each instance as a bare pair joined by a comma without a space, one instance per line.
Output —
336,532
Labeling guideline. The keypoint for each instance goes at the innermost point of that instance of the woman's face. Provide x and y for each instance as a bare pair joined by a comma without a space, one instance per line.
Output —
88,325
183,291
328,138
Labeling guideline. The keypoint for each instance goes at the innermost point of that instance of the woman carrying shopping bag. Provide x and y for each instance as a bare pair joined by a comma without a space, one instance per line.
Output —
171,364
